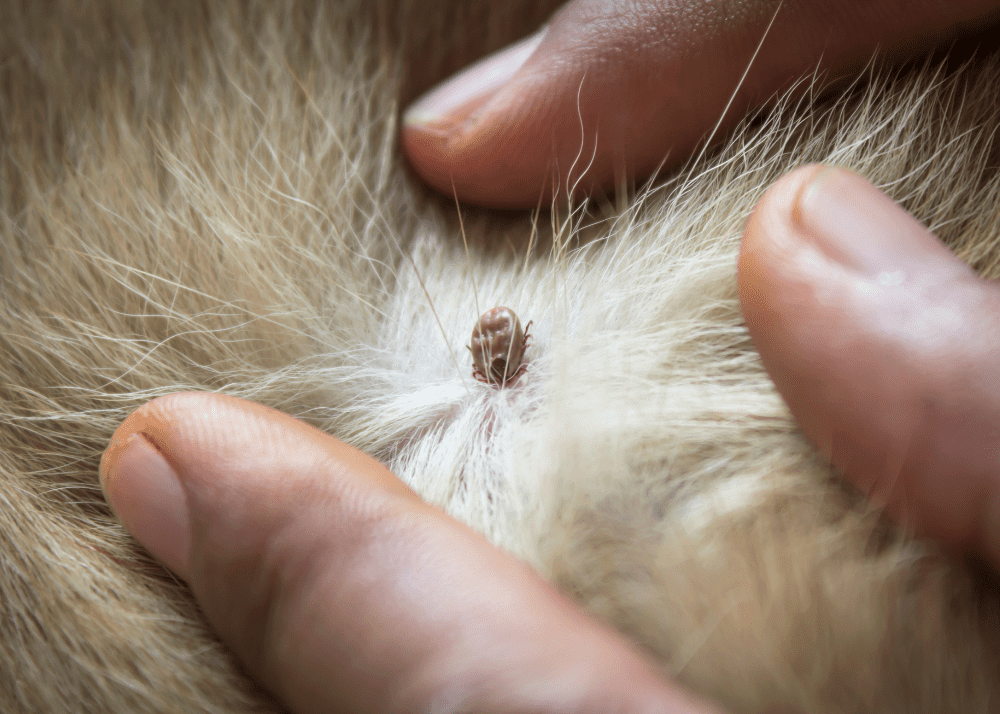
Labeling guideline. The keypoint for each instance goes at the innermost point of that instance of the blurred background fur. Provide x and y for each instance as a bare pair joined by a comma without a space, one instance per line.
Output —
210,196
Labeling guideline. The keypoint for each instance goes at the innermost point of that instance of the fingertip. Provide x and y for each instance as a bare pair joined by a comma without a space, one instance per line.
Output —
146,493
565,121
200,458
469,137
453,101
499,158
879,340
770,241
778,207
793,302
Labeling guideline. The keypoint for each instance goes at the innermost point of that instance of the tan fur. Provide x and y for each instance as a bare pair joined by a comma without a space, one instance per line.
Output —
211,197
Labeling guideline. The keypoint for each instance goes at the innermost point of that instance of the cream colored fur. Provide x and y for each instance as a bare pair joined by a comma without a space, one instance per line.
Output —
211,197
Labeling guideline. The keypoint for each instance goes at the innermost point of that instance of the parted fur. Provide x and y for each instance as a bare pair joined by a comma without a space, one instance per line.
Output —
210,196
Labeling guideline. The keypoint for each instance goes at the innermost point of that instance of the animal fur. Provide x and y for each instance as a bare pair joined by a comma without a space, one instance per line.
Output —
210,196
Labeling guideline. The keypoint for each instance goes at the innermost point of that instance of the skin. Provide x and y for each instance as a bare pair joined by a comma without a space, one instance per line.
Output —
885,347
344,592
611,87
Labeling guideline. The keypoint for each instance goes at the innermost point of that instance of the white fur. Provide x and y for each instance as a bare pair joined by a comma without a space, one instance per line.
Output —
215,200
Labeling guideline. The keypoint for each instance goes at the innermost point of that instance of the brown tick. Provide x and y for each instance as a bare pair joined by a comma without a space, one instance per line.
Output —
498,345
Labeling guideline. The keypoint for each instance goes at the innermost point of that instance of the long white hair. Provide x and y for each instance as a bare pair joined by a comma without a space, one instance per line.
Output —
211,197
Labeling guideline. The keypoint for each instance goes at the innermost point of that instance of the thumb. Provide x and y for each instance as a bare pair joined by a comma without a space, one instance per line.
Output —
611,88
884,346
340,588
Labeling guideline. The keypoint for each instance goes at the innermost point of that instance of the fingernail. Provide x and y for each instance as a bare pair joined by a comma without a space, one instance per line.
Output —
146,494
455,100
860,227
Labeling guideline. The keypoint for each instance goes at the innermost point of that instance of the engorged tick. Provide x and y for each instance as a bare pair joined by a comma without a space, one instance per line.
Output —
498,345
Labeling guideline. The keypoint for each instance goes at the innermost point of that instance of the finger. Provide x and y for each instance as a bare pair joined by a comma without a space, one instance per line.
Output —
344,591
885,347
611,88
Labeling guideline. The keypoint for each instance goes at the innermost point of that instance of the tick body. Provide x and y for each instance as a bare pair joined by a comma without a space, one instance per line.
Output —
498,345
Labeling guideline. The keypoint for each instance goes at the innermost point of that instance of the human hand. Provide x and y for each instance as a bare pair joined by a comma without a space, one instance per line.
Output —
885,346
612,88
341,589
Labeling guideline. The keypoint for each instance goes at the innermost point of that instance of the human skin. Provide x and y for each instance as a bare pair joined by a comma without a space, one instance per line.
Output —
610,90
885,347
344,592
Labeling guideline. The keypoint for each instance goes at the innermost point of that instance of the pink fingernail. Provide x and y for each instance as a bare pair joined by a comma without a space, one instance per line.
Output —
862,228
146,494
461,95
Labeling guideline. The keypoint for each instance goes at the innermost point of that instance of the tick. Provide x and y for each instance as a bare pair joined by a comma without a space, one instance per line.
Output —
498,345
